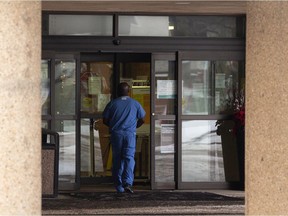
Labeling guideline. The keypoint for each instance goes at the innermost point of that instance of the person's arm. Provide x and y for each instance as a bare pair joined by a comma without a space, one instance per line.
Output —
106,121
140,122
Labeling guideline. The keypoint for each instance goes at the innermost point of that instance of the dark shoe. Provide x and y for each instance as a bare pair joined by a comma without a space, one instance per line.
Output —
120,189
128,189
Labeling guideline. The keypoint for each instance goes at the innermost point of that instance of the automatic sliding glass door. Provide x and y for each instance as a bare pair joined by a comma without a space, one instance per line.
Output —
96,89
163,120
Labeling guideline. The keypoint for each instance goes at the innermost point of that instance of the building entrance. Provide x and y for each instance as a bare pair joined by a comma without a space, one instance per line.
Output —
183,95
184,73
99,76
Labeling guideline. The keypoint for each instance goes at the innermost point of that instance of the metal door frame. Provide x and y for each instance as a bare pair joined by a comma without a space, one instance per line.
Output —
52,117
116,58
156,185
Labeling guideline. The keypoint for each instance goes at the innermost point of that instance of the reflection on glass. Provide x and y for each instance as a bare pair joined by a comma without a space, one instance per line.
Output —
166,86
67,150
206,26
143,26
164,150
65,87
196,87
202,159
96,158
96,86
229,83
45,86
182,26
84,25
44,124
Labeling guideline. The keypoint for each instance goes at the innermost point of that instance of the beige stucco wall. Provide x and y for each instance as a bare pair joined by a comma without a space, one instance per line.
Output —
267,106
20,48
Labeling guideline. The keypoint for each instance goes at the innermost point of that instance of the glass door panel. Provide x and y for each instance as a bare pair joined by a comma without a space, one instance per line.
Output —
96,89
164,151
229,86
164,106
65,87
45,86
165,91
96,152
96,85
67,151
196,81
202,159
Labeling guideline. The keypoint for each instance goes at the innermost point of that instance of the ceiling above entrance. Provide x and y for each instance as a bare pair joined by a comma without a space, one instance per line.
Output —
160,6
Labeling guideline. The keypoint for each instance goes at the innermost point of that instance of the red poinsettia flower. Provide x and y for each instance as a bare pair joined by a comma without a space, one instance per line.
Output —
240,117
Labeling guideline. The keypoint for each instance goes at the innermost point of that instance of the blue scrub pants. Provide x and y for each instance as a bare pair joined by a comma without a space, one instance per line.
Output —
123,151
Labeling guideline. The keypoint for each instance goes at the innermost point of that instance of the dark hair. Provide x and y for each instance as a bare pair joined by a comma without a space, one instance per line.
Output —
123,89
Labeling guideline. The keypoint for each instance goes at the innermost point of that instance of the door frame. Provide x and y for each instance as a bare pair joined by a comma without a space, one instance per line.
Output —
116,58
51,118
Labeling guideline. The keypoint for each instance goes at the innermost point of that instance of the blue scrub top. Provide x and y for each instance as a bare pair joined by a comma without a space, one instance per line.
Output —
123,114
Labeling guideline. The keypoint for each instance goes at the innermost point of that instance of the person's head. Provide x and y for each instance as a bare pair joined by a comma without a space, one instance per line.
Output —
123,89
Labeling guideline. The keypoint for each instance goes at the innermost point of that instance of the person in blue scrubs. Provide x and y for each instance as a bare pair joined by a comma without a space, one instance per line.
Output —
123,115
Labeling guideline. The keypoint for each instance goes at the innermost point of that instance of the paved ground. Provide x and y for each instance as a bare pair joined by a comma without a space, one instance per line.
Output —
146,203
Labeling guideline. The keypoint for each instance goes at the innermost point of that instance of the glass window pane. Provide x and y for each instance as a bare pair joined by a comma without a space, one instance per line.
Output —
229,86
164,150
96,86
166,85
182,26
80,25
196,87
143,26
67,150
202,159
205,26
45,86
65,87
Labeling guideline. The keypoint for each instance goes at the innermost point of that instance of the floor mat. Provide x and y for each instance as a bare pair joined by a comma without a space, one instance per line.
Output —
156,196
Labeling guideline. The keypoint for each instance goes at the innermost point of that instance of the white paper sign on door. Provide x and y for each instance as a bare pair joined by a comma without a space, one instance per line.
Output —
166,89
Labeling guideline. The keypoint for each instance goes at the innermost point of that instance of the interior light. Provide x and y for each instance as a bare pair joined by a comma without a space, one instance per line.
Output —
171,27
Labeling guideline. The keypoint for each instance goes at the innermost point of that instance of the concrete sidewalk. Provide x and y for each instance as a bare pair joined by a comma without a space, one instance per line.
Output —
218,202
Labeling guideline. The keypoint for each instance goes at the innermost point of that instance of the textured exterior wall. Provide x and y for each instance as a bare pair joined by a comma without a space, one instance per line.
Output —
20,47
267,106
